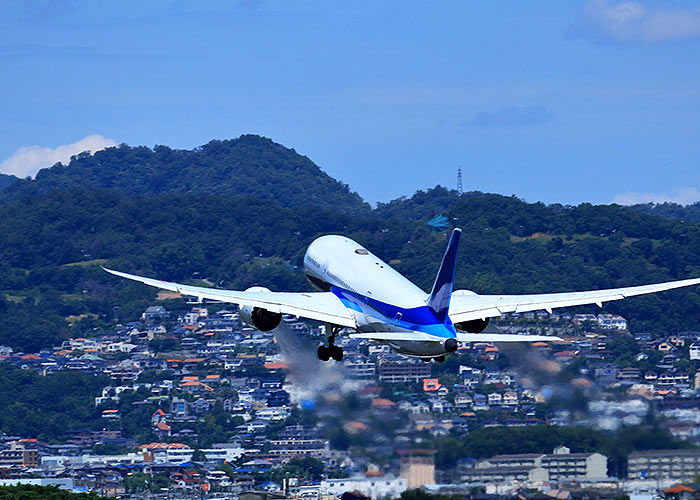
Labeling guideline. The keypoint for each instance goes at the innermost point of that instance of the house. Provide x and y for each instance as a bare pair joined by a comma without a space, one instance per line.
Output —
580,319
110,414
606,372
158,417
196,387
200,406
480,402
439,405
430,384
673,378
492,373
628,373
162,429
155,313
414,407
178,407
694,351
510,398
665,347
495,399
612,322
463,400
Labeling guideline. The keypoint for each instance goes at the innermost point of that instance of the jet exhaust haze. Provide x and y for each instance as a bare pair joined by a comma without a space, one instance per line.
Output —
310,376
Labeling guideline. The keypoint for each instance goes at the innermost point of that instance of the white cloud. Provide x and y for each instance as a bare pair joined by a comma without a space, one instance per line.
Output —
682,196
28,160
632,21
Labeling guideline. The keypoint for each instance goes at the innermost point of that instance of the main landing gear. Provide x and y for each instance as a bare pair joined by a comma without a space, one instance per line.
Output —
439,359
331,350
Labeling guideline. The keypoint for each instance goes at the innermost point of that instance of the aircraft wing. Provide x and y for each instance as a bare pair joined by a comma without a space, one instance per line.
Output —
466,306
321,306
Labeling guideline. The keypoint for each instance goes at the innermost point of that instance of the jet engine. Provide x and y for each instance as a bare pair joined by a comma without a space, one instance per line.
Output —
473,326
257,317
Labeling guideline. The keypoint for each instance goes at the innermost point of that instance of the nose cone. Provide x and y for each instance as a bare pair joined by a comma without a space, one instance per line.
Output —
450,345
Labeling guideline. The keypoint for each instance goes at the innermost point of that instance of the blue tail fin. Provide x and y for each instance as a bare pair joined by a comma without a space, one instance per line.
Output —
439,301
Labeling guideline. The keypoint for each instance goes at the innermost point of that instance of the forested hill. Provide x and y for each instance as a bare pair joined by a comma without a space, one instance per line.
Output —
671,210
242,212
51,285
7,180
250,165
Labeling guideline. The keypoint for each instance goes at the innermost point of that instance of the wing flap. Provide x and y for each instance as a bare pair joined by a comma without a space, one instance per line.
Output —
503,337
321,306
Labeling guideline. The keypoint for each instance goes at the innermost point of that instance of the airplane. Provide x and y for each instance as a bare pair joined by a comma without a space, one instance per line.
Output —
357,290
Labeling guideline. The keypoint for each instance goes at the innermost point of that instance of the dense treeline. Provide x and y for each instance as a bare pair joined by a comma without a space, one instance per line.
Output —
6,180
52,247
47,407
241,212
32,492
671,210
250,165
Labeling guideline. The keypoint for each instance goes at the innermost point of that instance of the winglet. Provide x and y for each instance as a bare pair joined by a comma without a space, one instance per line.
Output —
439,301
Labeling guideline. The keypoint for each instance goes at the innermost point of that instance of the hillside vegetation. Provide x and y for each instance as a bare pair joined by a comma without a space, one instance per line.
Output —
6,181
57,231
250,165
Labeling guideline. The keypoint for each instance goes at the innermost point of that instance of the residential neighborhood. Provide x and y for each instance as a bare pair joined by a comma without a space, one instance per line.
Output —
196,403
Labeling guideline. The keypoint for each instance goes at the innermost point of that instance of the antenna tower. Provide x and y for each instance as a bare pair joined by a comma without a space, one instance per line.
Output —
459,181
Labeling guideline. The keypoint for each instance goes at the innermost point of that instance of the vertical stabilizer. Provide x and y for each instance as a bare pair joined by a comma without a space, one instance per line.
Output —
439,301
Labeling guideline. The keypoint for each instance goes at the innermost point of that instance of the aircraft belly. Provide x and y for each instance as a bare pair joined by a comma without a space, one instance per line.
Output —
418,349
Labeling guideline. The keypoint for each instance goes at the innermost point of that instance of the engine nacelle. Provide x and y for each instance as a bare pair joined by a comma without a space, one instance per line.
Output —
473,326
257,317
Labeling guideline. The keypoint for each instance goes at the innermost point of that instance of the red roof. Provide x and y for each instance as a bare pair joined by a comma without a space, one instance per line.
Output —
156,445
276,366
163,426
383,403
679,488
431,384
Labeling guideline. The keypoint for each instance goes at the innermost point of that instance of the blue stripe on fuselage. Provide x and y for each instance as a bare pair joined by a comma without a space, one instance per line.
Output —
420,319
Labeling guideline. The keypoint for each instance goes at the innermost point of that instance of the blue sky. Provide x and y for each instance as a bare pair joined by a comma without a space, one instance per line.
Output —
554,101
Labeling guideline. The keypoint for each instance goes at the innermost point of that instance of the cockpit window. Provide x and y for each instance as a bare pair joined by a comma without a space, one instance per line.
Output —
361,251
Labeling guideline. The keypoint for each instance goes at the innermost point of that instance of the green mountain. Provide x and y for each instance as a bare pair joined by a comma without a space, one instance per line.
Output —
250,165
242,212
671,210
51,285
6,181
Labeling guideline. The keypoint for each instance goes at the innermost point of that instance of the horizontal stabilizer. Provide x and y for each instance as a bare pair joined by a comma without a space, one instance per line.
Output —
503,337
461,337
414,336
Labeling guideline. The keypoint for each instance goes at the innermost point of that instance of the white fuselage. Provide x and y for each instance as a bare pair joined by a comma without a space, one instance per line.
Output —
379,297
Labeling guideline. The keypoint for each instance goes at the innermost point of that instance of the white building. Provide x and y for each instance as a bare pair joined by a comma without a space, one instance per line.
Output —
694,351
612,322
374,487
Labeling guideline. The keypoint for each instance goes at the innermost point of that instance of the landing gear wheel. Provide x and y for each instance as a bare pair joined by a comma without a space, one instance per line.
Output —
440,359
426,360
324,353
337,353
